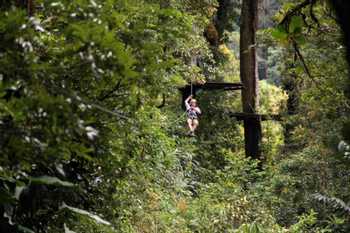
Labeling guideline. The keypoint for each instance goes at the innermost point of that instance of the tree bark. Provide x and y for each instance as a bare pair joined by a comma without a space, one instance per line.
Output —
30,7
28,4
249,77
342,9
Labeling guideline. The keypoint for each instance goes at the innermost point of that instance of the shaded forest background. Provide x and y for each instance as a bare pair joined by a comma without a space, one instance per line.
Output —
92,133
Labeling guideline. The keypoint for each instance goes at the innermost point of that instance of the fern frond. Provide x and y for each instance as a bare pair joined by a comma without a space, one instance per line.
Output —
333,201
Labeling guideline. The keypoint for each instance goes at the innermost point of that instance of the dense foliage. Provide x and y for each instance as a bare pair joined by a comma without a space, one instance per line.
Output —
92,134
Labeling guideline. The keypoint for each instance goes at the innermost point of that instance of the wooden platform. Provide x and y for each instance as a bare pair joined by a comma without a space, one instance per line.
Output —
208,86
211,86
264,117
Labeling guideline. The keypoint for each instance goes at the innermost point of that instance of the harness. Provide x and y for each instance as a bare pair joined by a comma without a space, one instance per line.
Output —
192,114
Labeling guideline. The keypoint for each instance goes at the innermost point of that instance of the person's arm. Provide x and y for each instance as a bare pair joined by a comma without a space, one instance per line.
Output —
186,102
198,110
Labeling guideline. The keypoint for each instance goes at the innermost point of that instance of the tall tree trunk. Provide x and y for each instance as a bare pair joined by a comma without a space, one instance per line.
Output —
30,7
342,8
249,77
28,4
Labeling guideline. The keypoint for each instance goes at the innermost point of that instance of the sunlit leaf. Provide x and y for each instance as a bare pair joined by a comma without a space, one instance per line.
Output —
279,33
24,229
86,213
49,180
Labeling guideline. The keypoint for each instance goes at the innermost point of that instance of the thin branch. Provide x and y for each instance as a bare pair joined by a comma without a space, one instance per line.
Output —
77,98
312,14
108,94
297,9
306,68
301,58
103,109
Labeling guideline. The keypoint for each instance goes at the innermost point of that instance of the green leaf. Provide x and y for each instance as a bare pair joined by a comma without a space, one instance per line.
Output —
49,180
279,33
24,229
86,213
299,70
296,24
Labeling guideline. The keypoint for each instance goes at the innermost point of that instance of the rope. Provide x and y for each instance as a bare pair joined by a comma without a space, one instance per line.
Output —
191,88
178,119
183,114
78,99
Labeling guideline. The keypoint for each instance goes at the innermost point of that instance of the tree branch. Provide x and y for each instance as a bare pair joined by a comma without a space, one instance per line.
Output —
306,68
312,14
297,9
108,94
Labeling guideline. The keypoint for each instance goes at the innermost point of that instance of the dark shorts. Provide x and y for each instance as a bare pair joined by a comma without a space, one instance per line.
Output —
192,116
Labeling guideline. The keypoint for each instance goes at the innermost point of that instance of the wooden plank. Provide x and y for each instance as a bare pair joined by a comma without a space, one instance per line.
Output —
208,86
214,86
264,117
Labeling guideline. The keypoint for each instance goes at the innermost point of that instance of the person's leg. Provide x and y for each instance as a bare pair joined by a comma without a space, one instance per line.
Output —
190,123
195,124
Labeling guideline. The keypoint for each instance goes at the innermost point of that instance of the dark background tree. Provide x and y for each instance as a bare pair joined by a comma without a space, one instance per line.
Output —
342,9
249,77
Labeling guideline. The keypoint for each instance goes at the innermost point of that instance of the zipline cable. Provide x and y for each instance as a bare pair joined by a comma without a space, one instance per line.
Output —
191,88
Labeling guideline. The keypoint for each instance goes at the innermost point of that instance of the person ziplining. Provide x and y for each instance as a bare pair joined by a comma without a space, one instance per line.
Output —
193,112
190,105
